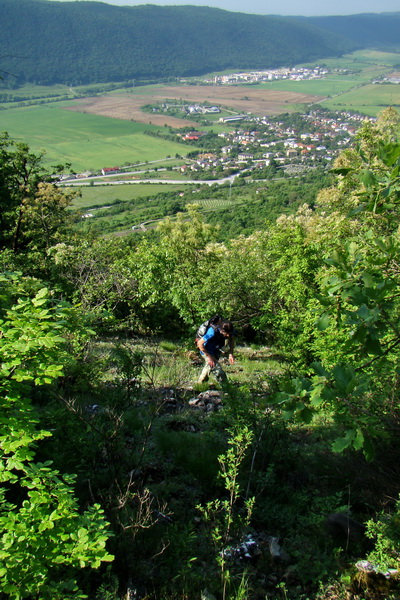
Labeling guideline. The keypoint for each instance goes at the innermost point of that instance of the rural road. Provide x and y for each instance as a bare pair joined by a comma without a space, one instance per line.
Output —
81,182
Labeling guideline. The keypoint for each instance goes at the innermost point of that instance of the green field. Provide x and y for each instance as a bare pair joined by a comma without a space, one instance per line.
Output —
109,194
351,90
318,87
376,57
218,203
28,91
116,209
369,99
88,142
31,91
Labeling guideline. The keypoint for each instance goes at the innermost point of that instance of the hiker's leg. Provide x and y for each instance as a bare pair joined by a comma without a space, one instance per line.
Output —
205,373
219,373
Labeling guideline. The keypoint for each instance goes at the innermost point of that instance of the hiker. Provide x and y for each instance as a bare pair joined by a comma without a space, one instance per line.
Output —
210,346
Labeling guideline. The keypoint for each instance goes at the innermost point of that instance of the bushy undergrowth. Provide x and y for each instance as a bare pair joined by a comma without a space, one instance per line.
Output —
281,484
150,458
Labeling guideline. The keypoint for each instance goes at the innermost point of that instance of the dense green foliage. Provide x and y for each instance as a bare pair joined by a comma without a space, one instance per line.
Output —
45,538
369,30
73,43
291,441
242,208
267,201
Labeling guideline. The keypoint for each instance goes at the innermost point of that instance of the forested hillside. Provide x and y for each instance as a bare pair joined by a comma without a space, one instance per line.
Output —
47,42
368,30
74,43
122,477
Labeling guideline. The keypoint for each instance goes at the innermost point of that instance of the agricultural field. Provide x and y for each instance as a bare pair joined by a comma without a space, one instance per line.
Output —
87,141
118,209
376,57
352,90
368,99
320,88
362,62
105,131
129,106
211,204
22,95
91,196
30,91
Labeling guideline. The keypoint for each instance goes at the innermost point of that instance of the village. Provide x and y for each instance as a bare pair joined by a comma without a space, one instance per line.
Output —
292,143
292,73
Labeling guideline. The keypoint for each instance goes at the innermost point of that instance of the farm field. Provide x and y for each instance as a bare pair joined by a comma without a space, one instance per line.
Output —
360,73
318,87
352,90
162,175
360,61
107,194
375,57
369,99
241,99
87,141
105,131
29,91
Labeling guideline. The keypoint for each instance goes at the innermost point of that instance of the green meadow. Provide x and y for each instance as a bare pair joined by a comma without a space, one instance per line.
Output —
88,142
378,57
31,91
318,87
368,100
109,194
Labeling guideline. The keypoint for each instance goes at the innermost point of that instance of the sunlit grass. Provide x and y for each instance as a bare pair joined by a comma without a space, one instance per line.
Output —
88,142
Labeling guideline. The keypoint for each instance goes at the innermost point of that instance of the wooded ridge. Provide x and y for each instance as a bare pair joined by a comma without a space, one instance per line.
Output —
47,42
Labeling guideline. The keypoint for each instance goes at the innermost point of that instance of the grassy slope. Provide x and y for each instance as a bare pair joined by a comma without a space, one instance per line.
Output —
296,478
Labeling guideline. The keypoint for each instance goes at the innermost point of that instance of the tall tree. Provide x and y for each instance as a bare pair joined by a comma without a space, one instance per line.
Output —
32,209
356,337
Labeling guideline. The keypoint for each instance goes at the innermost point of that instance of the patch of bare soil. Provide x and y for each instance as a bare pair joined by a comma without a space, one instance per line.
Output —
240,99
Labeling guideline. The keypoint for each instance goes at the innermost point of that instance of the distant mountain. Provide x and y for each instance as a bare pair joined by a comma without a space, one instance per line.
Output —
47,42
380,31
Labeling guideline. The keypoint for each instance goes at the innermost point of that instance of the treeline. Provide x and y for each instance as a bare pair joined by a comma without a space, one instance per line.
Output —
74,43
